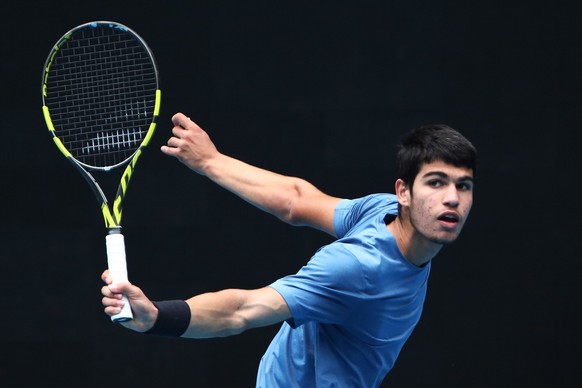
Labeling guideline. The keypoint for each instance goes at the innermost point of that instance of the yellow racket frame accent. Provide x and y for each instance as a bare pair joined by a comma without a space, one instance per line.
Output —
112,217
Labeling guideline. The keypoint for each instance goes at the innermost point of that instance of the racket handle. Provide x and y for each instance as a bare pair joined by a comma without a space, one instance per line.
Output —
118,270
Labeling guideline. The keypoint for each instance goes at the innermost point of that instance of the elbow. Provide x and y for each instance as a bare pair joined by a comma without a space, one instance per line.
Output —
290,212
287,214
292,217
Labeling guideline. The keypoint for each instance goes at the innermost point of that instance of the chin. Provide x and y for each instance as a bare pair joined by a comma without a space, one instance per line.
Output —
444,240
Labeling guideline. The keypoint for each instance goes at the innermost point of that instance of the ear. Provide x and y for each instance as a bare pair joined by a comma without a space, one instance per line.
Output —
402,192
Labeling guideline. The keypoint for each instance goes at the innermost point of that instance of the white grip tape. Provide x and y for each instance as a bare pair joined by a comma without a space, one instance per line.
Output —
118,270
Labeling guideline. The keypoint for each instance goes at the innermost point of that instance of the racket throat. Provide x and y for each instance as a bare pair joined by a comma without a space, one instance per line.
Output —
112,220
114,230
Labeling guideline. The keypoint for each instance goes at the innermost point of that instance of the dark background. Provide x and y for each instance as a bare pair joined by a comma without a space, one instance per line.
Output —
320,90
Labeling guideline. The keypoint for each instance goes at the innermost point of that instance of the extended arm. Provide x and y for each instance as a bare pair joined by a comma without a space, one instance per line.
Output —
233,311
291,199
216,314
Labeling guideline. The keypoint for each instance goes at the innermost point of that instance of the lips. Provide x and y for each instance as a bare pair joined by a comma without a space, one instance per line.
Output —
449,219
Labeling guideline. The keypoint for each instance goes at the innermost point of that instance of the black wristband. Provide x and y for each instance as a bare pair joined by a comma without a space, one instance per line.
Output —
173,318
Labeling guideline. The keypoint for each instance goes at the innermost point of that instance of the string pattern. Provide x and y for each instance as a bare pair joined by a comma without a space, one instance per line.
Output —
100,91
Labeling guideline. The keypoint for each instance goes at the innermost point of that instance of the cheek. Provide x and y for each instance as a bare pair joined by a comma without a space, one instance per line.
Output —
468,206
467,211
421,211
425,206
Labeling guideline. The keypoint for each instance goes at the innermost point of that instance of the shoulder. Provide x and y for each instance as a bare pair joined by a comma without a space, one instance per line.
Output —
379,200
350,212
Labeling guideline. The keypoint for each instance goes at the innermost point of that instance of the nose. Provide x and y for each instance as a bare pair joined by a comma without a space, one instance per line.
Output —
451,197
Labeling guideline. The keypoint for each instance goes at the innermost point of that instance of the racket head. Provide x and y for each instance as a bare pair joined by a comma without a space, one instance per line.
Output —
101,95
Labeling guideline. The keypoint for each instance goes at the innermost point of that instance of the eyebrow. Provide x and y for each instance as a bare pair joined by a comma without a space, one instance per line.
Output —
441,174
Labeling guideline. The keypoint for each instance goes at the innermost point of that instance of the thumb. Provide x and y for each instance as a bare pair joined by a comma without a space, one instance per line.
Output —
126,288
120,287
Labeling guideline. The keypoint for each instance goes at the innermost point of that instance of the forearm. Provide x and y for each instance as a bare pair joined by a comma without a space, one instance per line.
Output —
273,193
214,315
292,200
230,312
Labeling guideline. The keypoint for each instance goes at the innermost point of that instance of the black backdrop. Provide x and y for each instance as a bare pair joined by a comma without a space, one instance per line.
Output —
321,90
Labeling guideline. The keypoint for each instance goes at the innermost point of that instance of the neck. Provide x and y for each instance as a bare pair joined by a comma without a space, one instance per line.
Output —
416,248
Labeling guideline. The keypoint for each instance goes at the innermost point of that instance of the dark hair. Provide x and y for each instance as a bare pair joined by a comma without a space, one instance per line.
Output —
431,143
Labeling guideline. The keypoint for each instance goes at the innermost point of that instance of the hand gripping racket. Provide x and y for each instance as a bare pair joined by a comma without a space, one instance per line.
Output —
101,97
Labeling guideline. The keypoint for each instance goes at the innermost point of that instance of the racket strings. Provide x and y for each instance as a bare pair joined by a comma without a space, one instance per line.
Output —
107,142
101,94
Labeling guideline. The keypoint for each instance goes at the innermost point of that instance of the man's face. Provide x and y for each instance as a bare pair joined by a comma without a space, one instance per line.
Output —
440,201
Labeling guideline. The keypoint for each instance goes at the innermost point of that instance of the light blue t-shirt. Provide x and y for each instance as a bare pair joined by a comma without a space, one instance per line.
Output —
354,305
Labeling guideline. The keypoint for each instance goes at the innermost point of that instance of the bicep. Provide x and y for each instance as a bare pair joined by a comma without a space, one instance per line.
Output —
263,307
314,208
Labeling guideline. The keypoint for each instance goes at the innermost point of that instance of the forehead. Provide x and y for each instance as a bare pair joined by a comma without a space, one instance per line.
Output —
439,167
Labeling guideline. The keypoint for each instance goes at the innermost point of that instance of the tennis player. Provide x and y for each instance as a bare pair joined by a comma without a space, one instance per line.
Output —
347,313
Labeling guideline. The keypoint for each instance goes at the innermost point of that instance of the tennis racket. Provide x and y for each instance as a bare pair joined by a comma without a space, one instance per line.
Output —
101,98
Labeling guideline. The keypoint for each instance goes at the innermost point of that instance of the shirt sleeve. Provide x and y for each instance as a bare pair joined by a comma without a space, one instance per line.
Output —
329,288
350,212
326,290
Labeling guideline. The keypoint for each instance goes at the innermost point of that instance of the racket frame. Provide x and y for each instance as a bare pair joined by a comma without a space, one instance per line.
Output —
115,245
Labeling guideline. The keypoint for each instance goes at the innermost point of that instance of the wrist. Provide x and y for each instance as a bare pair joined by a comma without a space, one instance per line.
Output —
173,318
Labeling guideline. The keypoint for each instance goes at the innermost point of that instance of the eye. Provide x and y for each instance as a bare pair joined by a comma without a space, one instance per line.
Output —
465,186
435,183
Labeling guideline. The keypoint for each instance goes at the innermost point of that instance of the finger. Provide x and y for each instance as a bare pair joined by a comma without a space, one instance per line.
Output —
170,151
121,287
112,302
178,131
112,310
174,142
108,293
105,277
179,119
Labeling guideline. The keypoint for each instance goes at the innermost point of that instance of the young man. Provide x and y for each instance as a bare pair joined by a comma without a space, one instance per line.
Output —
347,313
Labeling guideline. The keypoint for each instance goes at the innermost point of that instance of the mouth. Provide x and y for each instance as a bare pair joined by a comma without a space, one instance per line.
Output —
449,219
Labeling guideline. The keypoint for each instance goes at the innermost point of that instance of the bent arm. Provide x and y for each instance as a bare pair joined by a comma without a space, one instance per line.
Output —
231,312
292,200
